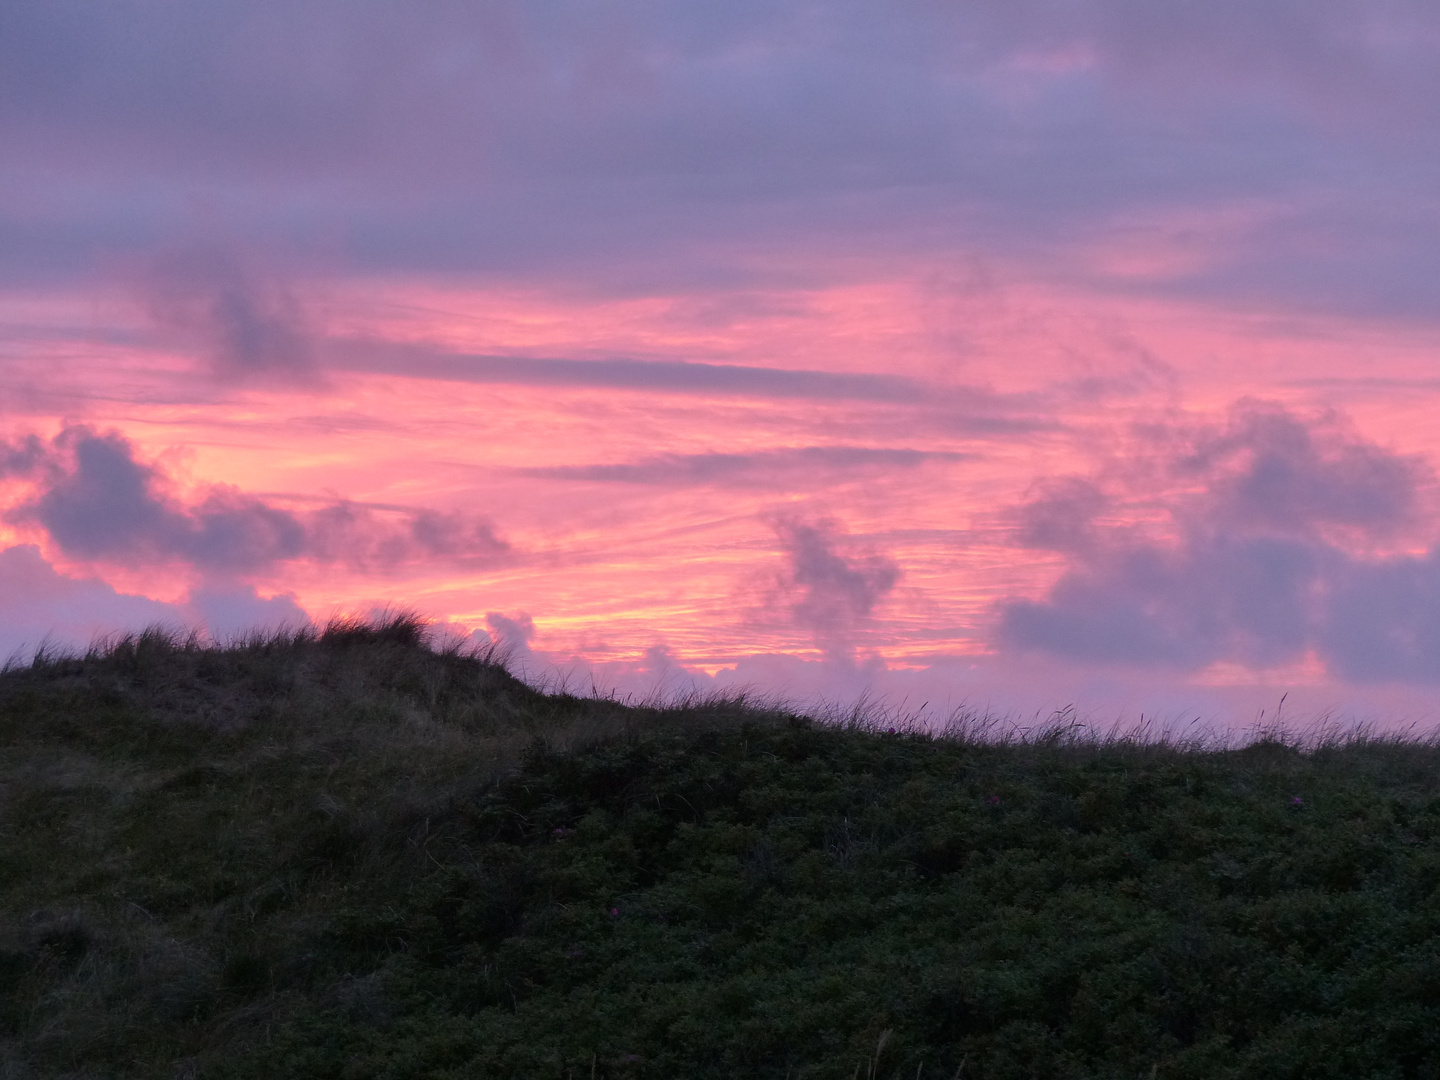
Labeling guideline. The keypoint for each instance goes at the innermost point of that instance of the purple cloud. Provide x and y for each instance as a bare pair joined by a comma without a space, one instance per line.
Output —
39,604
1061,516
1269,470
1382,620
645,145
1213,599
677,377
976,409
778,467
100,503
97,502
22,458
1271,556
231,610
827,593
247,326
511,636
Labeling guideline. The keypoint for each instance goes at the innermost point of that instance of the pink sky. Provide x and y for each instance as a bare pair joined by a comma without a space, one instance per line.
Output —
1016,355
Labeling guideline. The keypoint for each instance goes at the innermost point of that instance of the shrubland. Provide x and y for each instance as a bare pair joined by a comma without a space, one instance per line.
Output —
349,854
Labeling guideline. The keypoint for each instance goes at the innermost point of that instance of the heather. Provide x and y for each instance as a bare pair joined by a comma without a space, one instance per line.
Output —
350,854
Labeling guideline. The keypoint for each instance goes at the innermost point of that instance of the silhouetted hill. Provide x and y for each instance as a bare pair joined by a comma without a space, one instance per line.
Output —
349,855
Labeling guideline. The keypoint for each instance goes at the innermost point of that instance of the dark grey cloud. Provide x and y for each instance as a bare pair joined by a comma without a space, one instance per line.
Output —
827,593
1276,549
245,324
757,468
648,145
97,502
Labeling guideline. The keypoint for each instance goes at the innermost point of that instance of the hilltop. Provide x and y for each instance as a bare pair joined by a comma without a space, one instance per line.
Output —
349,854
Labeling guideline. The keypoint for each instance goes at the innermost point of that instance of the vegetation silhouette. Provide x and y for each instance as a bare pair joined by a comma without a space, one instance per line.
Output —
350,853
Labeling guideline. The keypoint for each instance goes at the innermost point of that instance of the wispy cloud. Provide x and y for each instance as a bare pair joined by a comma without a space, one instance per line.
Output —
662,376
246,325
827,592
760,468
966,409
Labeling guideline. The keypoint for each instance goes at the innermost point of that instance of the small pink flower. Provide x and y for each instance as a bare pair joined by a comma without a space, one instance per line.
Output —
993,800
615,912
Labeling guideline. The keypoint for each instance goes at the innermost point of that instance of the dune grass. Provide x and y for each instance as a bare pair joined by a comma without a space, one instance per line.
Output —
346,854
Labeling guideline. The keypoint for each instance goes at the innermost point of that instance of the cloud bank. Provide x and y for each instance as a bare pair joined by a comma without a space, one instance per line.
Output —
42,607
1280,541
647,142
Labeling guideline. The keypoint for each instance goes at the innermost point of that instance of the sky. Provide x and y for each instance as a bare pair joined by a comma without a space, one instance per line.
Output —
1003,355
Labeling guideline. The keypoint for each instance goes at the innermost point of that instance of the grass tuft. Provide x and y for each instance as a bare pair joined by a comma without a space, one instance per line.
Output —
404,628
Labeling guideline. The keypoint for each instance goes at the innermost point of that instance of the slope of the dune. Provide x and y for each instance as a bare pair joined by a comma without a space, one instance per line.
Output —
349,855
